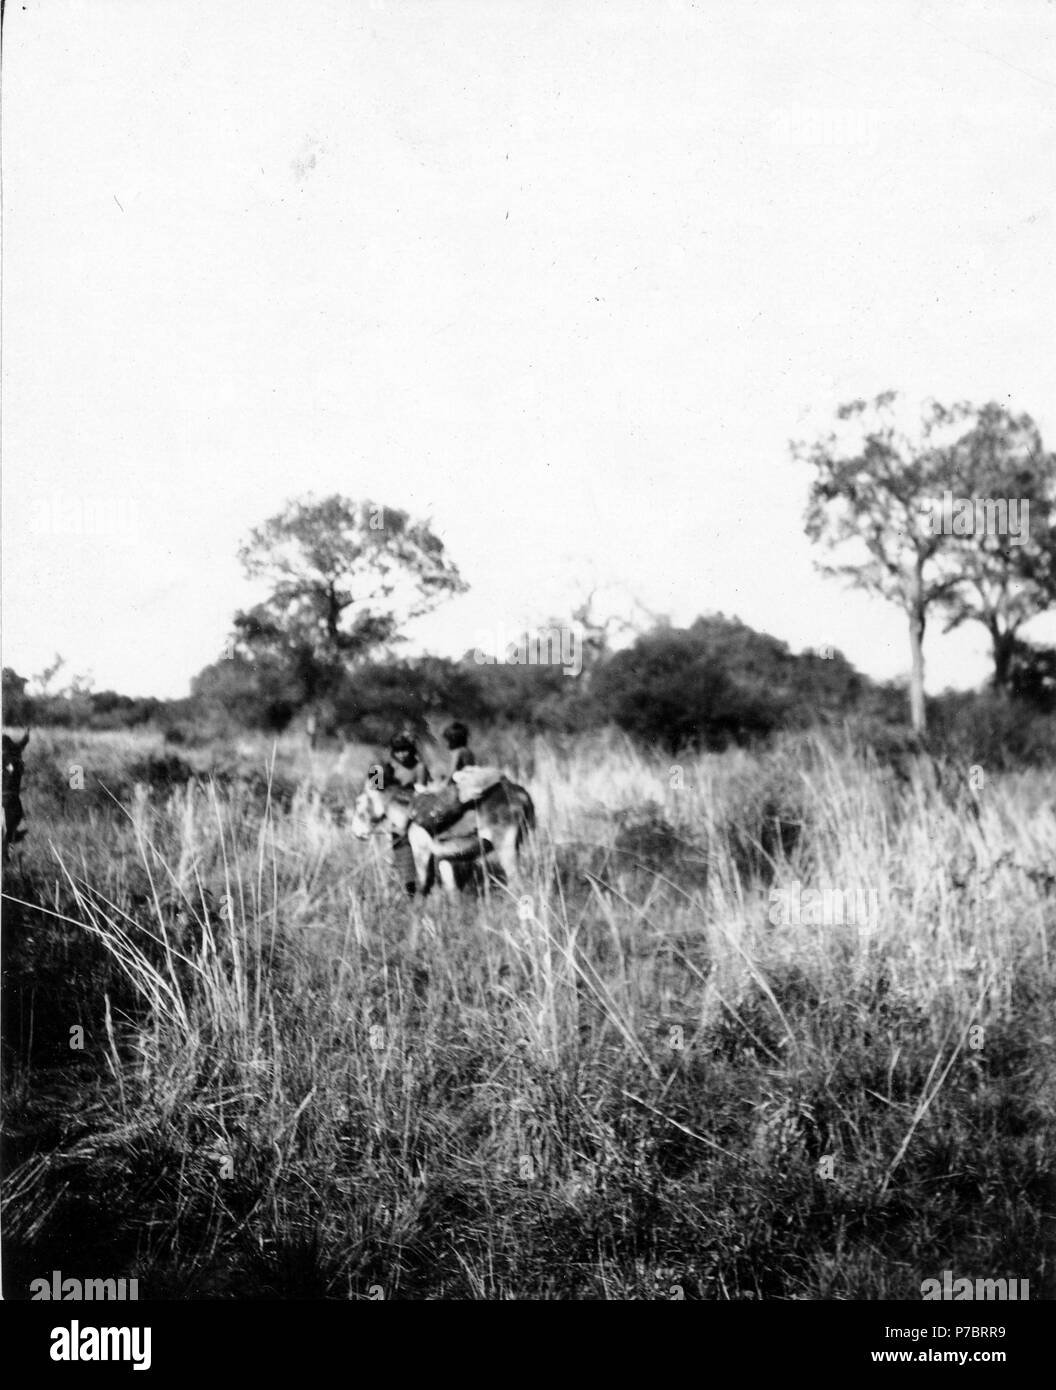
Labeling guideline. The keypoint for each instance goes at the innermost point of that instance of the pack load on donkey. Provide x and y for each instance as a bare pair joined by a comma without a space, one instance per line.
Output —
437,810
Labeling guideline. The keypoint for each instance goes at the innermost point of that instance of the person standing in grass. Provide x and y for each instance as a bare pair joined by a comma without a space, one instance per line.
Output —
405,768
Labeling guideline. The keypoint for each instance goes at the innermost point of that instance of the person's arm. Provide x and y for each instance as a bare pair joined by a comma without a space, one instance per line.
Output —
463,758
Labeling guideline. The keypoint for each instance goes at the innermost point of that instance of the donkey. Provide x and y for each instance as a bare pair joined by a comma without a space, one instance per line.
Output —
495,824
13,750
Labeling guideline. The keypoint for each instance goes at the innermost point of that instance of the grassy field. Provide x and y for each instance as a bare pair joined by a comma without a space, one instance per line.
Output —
618,1078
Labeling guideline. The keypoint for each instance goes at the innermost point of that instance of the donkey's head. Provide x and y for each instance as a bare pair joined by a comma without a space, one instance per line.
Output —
12,787
13,751
378,810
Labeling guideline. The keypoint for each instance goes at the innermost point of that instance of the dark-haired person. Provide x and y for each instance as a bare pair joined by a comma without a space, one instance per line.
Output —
405,768
441,806
456,736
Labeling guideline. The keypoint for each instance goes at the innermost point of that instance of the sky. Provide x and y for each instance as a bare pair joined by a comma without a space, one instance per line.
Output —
564,279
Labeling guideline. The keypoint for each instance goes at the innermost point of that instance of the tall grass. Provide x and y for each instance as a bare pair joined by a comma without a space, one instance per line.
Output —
614,1078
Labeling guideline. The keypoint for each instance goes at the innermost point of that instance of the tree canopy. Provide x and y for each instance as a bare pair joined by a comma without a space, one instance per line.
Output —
1008,576
880,497
343,578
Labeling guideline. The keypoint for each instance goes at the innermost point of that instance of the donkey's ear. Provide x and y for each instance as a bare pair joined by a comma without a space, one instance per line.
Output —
24,739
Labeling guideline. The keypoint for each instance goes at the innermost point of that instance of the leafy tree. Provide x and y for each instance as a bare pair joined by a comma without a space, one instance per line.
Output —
1008,577
252,694
719,682
875,476
342,578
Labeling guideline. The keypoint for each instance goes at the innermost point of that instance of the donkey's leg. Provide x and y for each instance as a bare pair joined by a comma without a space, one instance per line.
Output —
506,851
445,853
421,843
446,870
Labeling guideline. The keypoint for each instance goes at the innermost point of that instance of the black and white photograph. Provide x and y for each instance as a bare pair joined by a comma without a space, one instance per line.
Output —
529,661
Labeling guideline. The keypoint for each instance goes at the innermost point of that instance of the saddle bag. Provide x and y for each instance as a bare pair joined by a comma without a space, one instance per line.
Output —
434,811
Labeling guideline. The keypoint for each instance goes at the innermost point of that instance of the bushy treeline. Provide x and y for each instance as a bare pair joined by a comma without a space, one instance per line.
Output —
714,684
77,708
